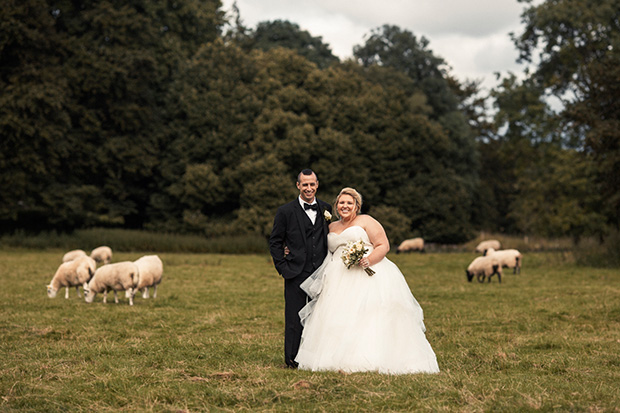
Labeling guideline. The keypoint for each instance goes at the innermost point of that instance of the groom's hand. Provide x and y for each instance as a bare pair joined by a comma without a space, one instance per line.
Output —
286,251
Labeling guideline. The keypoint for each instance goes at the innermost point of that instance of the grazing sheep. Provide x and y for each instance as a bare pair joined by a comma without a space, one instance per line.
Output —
508,258
75,273
151,271
73,254
485,245
120,276
484,267
102,254
414,244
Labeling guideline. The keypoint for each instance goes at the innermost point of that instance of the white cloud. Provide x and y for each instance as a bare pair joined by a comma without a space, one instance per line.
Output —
472,37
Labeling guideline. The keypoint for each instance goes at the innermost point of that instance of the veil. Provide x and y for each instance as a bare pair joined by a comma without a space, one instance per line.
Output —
313,286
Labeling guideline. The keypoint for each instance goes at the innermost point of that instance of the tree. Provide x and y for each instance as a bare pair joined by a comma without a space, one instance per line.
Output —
34,115
211,112
522,121
434,141
282,33
390,46
575,45
539,184
555,195
84,107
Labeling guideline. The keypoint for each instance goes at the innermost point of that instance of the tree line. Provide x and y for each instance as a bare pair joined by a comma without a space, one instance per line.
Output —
175,117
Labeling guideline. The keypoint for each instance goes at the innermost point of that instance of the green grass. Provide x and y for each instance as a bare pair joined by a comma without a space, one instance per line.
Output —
545,340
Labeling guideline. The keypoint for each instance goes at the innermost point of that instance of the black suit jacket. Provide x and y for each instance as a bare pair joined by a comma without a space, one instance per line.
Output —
288,230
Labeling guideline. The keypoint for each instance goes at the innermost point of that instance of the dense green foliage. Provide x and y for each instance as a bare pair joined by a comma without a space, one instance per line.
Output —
545,340
166,116
273,34
551,160
83,105
576,45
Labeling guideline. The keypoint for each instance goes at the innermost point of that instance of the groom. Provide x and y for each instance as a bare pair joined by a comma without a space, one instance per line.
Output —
300,227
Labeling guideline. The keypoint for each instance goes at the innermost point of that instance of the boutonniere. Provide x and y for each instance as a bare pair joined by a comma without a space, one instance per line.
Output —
327,216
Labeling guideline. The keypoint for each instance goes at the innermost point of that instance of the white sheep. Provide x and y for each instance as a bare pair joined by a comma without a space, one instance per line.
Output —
485,245
414,244
75,273
120,276
484,267
508,258
102,254
151,271
73,254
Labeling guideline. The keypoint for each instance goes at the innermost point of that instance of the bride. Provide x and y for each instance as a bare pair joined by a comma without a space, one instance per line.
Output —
357,322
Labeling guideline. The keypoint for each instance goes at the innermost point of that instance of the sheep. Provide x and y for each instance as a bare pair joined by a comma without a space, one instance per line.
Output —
414,244
151,271
482,267
73,254
120,276
508,258
72,274
102,254
485,245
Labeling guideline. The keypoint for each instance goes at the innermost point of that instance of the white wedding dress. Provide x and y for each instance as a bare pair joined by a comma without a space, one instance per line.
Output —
356,322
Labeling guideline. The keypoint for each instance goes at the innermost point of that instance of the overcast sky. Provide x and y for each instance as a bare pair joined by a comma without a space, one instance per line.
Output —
471,36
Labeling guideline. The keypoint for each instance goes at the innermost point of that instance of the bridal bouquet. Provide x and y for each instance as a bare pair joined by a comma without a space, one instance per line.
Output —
353,252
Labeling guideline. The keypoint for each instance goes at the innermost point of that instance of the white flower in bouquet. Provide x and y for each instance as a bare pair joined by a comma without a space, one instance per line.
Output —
354,251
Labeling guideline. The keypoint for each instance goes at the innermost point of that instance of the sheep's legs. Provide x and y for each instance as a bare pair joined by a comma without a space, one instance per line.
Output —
105,296
67,292
145,292
115,297
155,291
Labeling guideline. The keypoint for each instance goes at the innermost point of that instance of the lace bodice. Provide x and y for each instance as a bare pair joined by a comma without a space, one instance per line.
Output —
353,233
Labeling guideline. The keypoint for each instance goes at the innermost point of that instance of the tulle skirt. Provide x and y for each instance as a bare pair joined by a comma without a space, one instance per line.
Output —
356,322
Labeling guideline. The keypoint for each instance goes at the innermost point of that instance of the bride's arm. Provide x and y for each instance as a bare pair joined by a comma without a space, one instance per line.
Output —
378,238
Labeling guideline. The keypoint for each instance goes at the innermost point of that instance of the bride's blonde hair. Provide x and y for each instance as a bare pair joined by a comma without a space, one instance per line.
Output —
352,193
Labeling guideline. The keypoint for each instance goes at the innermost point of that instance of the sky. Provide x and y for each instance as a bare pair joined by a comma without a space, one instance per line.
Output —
471,36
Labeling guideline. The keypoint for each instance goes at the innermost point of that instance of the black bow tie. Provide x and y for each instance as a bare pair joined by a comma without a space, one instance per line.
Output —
311,206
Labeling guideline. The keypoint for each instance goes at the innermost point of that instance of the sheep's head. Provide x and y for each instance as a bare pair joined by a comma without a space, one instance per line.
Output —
89,295
51,291
470,275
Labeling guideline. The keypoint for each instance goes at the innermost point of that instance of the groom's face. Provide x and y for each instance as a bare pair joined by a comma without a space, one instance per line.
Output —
307,185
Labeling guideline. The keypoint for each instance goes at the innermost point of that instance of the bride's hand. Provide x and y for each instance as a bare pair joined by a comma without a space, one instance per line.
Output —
364,263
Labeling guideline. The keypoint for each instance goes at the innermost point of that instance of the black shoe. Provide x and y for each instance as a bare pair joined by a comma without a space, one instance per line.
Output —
292,364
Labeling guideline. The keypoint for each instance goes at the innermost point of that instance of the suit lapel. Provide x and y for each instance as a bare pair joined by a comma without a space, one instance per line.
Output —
300,214
322,210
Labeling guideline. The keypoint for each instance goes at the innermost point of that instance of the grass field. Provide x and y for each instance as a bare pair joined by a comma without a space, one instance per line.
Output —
545,340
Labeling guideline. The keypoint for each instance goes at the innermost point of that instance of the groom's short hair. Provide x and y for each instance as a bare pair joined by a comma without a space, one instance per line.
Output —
306,172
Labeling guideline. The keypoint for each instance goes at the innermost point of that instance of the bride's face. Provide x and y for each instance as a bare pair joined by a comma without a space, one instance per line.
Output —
346,206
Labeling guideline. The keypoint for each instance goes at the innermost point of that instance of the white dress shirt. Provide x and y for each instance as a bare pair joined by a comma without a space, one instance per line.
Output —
310,212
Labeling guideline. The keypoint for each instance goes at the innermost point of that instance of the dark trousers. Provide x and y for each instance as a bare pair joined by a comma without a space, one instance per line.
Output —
294,300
